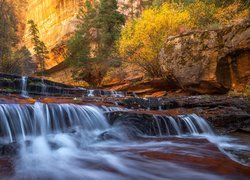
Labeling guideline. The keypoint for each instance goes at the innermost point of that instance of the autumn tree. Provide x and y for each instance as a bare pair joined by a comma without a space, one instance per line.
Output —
141,40
40,50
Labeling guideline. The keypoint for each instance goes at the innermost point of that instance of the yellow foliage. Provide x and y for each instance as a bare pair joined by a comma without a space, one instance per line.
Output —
202,13
232,13
142,39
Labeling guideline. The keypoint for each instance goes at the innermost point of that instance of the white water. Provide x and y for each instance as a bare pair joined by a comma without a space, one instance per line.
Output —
90,93
117,94
64,141
106,93
24,92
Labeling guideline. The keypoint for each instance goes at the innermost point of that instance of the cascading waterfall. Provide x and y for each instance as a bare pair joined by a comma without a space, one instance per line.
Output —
24,92
19,121
64,141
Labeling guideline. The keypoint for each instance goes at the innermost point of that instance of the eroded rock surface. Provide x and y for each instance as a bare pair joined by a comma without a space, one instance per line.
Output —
210,62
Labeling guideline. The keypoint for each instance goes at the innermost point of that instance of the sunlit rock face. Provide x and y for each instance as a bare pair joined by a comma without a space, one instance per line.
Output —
130,8
56,19
20,7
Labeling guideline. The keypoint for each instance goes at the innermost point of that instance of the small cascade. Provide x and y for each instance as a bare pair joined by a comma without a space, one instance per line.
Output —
90,93
20,121
180,125
135,95
113,109
105,93
44,88
160,125
117,94
24,92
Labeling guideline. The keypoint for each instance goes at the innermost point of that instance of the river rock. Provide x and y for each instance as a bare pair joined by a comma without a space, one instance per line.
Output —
209,61
225,114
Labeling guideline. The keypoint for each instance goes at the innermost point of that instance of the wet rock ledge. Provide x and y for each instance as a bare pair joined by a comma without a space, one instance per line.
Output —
225,114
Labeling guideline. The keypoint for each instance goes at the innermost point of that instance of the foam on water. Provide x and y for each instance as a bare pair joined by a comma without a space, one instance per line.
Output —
67,141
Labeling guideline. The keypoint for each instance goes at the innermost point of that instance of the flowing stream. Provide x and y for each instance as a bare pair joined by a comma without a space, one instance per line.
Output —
67,141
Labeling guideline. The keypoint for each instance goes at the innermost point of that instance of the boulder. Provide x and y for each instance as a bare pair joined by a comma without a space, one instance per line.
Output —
209,61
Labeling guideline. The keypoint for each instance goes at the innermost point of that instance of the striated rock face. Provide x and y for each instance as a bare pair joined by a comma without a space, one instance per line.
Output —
212,61
56,19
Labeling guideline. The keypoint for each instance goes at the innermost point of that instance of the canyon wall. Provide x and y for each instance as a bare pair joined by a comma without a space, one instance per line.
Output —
57,19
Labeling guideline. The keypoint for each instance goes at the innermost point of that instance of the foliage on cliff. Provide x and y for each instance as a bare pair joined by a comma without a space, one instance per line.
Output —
142,39
91,49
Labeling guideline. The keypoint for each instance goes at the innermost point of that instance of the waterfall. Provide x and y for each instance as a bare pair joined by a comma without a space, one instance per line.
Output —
182,124
68,141
91,93
19,121
106,93
24,92
44,88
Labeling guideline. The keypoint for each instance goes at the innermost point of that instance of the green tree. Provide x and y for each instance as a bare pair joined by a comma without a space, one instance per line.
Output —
109,23
40,50
8,33
23,56
91,51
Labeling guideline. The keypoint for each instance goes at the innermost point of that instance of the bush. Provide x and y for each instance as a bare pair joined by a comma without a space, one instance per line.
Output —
142,39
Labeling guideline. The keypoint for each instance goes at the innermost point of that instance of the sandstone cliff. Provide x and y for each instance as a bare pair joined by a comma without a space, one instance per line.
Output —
210,61
56,20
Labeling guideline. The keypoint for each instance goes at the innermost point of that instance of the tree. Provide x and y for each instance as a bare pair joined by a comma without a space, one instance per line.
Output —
20,62
232,13
8,32
109,23
40,50
23,56
202,13
91,50
142,39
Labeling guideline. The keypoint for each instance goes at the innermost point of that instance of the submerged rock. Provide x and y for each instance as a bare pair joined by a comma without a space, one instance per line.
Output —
10,149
